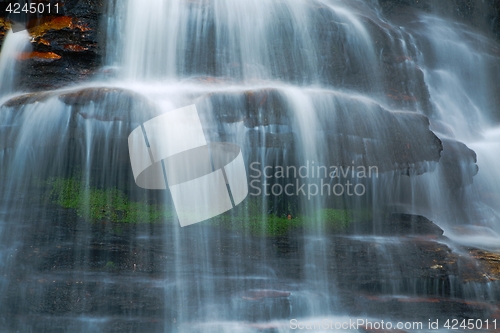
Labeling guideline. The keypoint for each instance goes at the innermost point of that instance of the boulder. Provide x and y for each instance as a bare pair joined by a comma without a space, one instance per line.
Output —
412,265
349,130
458,164
90,127
19,101
400,225
109,104
100,103
489,261
389,140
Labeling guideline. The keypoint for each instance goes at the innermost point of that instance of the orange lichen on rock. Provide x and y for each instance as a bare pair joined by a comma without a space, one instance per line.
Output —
75,47
81,27
43,41
41,26
491,262
39,55
5,24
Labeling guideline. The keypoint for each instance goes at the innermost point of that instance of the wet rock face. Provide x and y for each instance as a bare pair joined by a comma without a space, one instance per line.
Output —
117,272
404,87
104,104
96,121
483,15
349,129
110,104
67,48
459,163
109,114
490,262
400,225
423,267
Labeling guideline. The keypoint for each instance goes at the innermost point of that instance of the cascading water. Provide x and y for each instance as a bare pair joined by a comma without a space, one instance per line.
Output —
463,110
15,44
293,83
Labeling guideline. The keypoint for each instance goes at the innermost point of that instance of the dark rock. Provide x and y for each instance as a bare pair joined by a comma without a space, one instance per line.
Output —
270,140
30,98
211,80
415,265
67,47
376,137
406,224
399,225
458,163
339,60
255,295
265,107
355,130
411,308
111,104
260,107
440,127
403,83
95,127
71,267
223,107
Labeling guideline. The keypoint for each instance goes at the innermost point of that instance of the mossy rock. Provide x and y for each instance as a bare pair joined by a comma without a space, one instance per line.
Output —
95,204
252,217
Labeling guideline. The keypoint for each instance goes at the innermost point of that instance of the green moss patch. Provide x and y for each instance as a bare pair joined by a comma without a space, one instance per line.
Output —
113,205
250,216
95,204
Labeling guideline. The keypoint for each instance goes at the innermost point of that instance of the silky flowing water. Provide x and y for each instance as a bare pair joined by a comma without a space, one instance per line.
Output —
320,67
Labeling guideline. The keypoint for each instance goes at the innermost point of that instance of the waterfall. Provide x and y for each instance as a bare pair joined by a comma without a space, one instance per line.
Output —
463,102
335,89
250,40
14,44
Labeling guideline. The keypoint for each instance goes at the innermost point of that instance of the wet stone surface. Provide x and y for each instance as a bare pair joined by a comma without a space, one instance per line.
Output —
74,274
